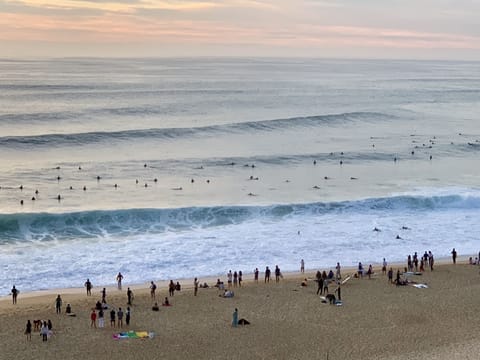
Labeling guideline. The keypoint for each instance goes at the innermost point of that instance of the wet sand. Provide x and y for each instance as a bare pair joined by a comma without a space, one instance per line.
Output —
377,321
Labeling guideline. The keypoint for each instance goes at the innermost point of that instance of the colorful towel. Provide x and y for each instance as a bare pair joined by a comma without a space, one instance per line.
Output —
133,335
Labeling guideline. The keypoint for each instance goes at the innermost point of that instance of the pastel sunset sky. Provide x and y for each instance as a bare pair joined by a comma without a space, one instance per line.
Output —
417,29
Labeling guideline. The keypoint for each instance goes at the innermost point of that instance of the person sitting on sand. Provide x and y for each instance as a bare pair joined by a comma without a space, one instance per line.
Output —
304,282
166,302
219,285
178,287
228,294
155,307
98,305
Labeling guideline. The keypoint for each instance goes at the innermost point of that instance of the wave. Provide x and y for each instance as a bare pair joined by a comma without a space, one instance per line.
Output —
132,222
89,138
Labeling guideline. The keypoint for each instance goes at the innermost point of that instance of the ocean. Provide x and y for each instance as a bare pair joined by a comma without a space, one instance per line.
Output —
180,168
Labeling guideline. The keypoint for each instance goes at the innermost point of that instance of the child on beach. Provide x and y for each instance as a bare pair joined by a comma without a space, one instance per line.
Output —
28,330
93,319
44,331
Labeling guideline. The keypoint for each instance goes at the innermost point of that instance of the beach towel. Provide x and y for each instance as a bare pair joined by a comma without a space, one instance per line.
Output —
133,335
421,286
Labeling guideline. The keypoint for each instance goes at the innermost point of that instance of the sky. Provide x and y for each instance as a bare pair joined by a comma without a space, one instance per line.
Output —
403,29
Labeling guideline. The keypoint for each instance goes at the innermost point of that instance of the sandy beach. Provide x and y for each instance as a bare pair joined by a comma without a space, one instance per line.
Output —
288,321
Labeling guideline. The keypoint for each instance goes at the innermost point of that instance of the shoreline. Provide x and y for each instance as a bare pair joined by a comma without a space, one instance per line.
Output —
186,283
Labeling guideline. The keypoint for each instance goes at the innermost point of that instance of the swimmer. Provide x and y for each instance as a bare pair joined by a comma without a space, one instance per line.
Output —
192,181
326,177
136,181
21,187
58,168
71,187
36,192
251,194
59,197
84,188
58,178
208,181
316,187
33,198
21,202
115,186
314,162
405,228
413,152
394,159
353,178
79,168
431,157
398,237
177,188
376,229
98,178
146,185
341,162
155,180
144,165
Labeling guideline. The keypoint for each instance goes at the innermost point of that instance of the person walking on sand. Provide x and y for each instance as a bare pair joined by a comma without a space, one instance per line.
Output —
119,280
240,275
171,288
93,319
384,267
104,295
28,330
255,275
153,288
338,272
88,286
14,294
235,318
235,278
58,304
195,287
454,256
302,266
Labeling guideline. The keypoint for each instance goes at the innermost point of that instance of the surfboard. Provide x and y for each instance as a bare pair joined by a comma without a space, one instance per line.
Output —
346,279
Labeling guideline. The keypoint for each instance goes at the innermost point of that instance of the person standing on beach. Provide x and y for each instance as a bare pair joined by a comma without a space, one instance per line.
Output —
235,278
277,273
267,274
58,304
195,287
127,316
93,319
101,318
88,286
119,280
384,267
302,266
229,279
129,296
338,273
14,294
454,256
28,330
255,275
44,331
171,288
390,275
430,260
120,317
235,318
112,318
240,275
153,288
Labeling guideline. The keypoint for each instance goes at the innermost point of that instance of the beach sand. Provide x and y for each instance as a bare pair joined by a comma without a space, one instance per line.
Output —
377,321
